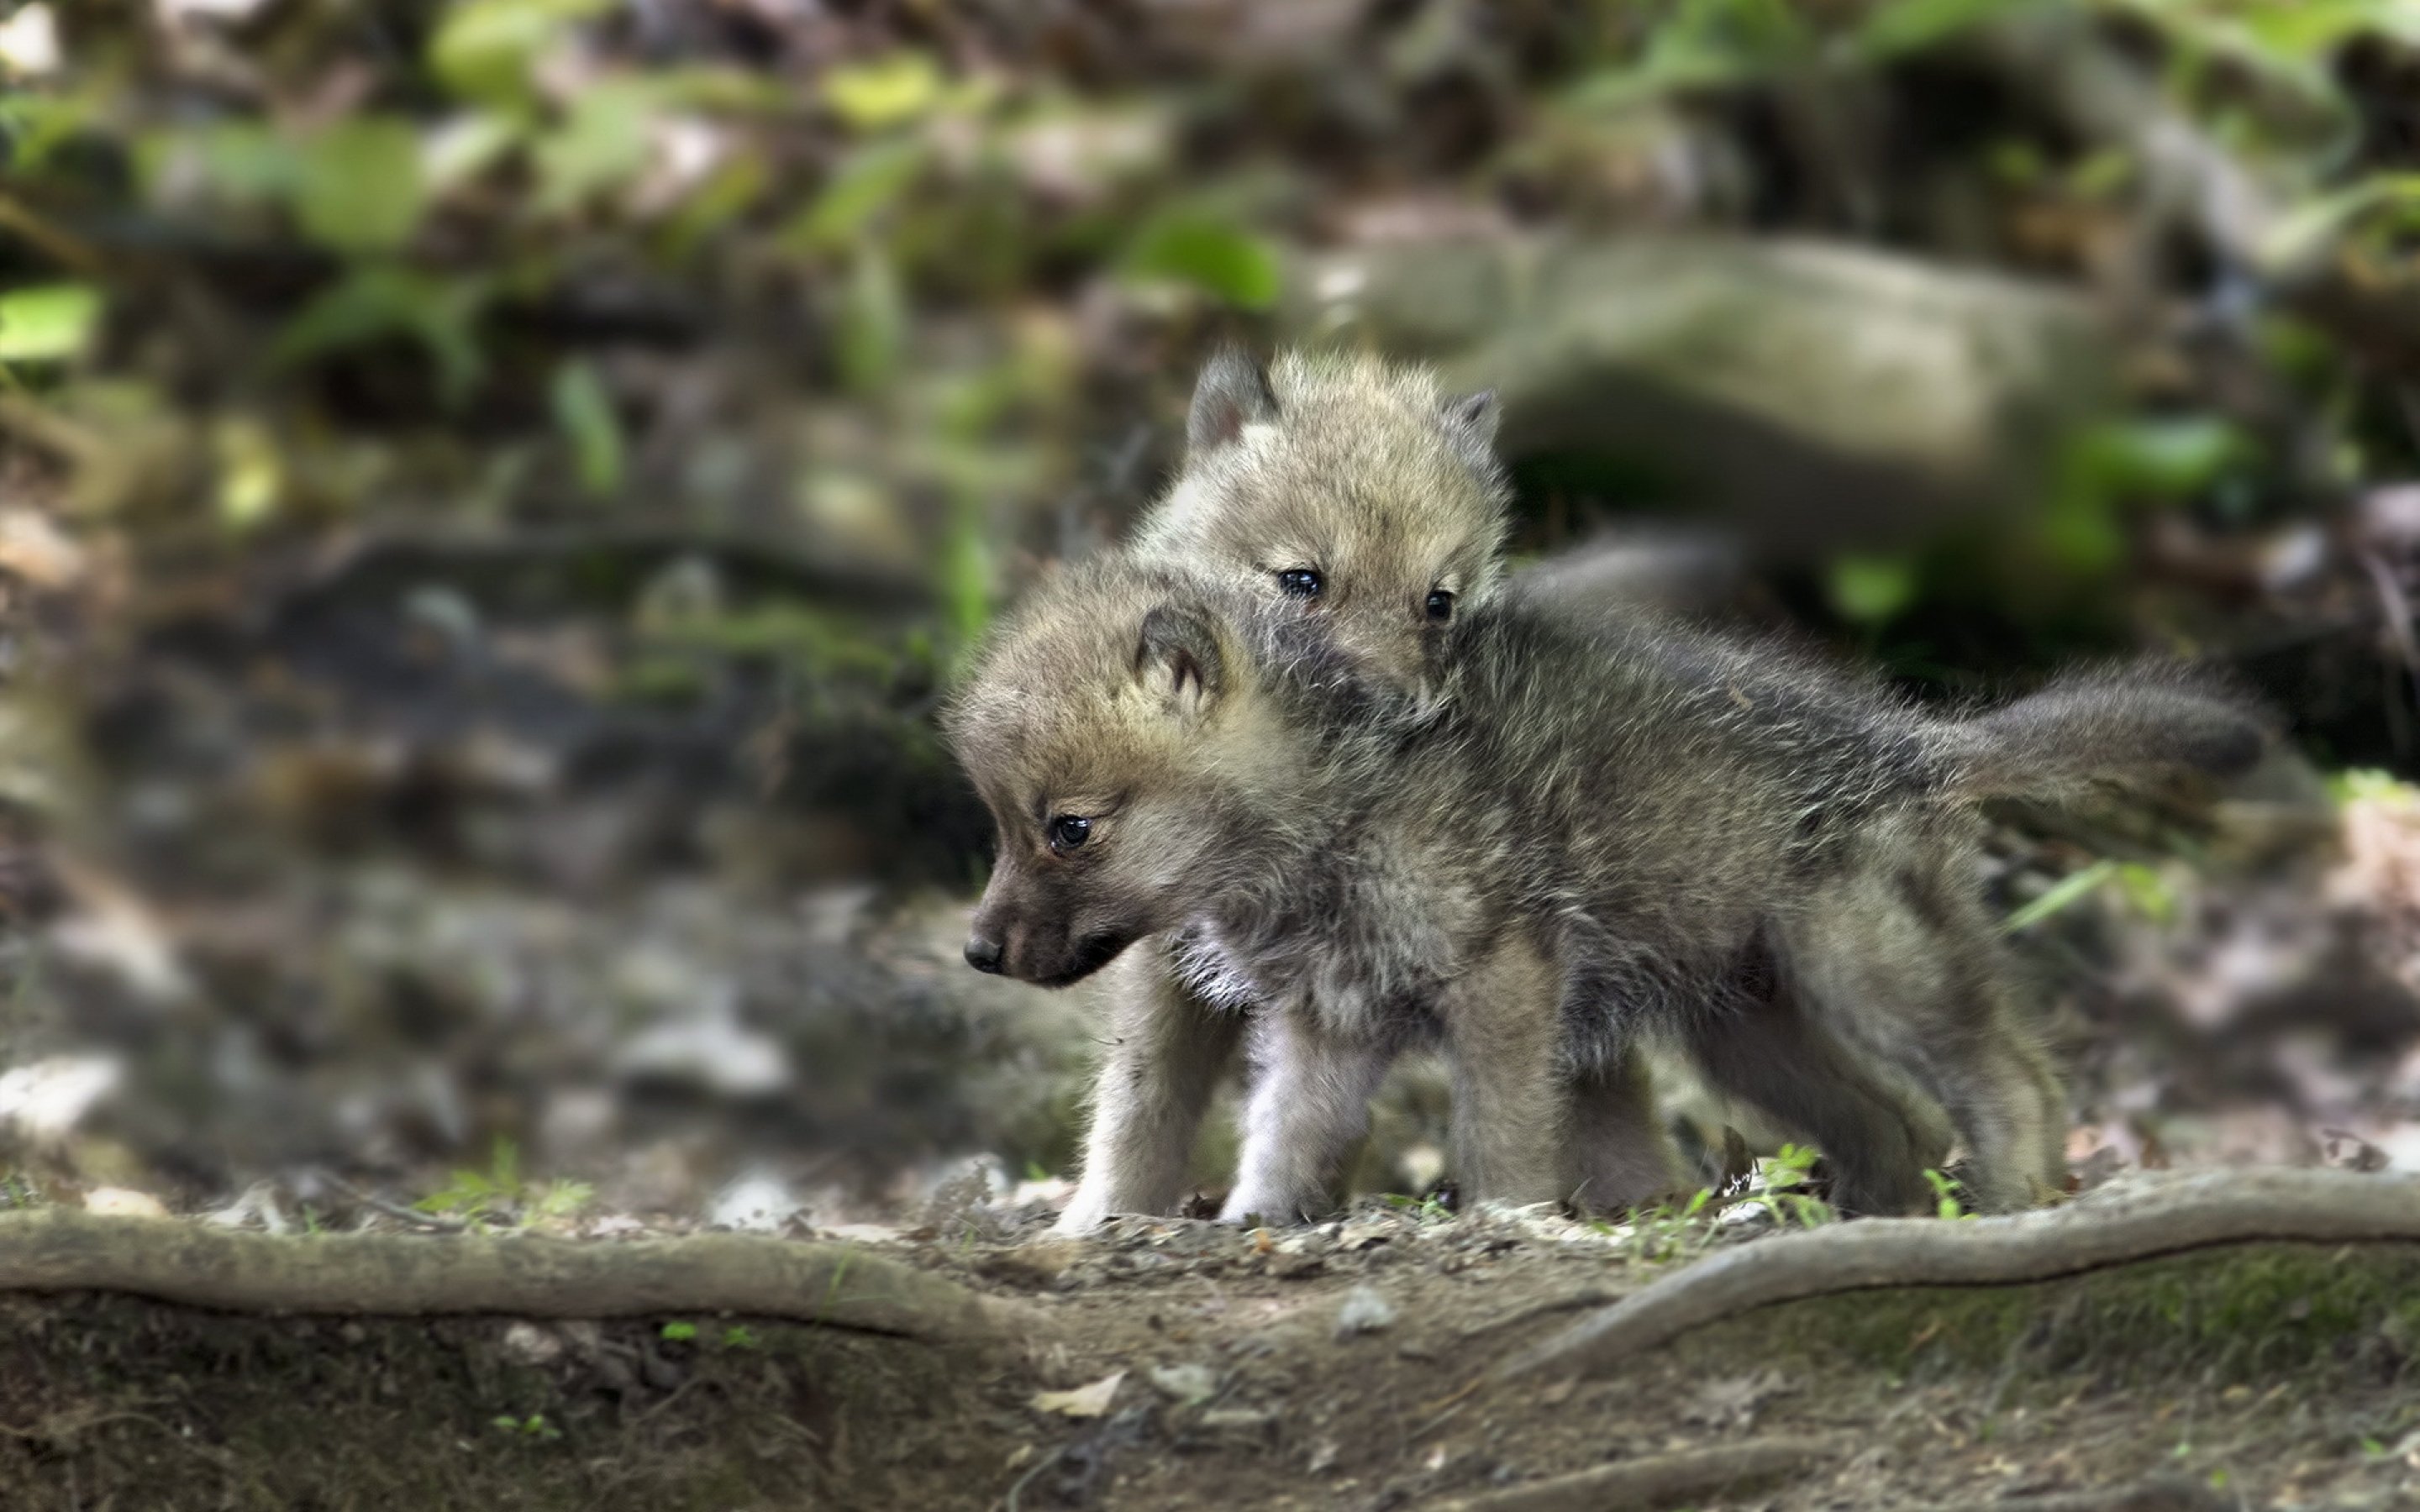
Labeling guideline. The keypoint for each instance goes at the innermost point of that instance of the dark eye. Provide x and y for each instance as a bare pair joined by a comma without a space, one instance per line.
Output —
1300,583
1440,605
1068,831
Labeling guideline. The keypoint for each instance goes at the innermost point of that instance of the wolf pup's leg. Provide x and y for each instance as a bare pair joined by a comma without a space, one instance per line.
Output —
1503,1033
1910,967
1309,1106
1621,1153
1768,1053
1166,1050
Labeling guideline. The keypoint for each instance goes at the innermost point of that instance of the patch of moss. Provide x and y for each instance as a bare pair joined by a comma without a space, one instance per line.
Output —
2246,1314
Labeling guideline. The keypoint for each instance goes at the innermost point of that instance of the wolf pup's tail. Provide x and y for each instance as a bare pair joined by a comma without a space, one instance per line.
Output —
2123,730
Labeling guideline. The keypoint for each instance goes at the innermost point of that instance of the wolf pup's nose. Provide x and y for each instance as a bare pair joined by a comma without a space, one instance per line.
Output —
983,954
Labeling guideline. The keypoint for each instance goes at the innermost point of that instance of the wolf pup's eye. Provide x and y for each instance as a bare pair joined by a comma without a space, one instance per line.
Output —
1300,583
1440,605
1067,831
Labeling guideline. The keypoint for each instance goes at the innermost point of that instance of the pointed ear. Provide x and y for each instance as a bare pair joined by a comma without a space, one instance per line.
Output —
1234,392
1469,421
1177,657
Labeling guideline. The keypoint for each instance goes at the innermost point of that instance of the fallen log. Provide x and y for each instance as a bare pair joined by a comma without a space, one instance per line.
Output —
1813,395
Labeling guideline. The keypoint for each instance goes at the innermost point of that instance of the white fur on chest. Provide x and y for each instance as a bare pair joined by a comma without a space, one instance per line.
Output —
1367,954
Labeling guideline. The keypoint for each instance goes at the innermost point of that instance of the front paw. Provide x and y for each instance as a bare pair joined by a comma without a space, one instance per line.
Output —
1085,1211
1264,1210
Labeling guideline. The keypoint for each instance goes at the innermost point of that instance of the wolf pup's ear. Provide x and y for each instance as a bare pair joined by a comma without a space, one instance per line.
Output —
1234,392
1469,421
1177,657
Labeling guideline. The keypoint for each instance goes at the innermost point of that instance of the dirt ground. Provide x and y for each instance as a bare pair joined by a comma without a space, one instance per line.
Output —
1196,1366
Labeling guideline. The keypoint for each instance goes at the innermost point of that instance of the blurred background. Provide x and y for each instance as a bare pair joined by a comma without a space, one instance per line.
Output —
491,493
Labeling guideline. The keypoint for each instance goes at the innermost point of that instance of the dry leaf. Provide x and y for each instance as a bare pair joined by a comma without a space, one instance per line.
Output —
1084,1401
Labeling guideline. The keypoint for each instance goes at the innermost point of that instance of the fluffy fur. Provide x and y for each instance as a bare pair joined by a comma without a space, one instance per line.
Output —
1362,473
1571,838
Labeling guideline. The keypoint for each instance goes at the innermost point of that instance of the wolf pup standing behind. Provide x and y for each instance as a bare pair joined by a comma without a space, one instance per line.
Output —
1585,838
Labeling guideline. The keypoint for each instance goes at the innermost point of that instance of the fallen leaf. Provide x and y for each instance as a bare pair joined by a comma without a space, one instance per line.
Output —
1084,1401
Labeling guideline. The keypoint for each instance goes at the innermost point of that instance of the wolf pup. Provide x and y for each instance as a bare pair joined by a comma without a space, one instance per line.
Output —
1588,838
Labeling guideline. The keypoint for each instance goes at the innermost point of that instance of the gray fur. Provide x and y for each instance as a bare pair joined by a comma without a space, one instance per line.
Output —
1365,472
2122,729
1577,838
1232,393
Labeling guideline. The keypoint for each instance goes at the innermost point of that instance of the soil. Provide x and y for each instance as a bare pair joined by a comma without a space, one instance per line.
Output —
1336,1366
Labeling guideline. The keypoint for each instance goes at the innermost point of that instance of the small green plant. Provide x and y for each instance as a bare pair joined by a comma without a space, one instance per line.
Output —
2364,784
499,1195
532,1426
1945,1196
680,1333
1665,1232
1790,1166
1781,1175
2063,895
1429,1209
2148,891
737,1337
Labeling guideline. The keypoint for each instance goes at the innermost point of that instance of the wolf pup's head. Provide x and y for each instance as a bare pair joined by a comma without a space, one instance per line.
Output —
1344,489
1113,728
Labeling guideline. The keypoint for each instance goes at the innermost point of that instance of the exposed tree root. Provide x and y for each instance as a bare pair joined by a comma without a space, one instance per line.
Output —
2162,1494
2113,1227
1684,1475
522,1275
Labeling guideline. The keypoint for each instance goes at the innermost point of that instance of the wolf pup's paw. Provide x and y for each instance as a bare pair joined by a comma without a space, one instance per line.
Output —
1085,1211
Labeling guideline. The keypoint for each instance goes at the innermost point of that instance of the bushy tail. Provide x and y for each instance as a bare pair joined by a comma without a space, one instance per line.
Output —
2125,729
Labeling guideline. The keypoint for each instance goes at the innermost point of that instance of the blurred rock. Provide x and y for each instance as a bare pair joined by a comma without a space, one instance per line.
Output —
714,1054
1364,1312
1815,395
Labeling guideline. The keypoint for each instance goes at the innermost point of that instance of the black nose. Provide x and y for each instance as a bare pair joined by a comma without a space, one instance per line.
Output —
983,954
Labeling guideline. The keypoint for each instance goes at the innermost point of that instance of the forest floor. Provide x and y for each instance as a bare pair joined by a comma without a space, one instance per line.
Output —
1182,1364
